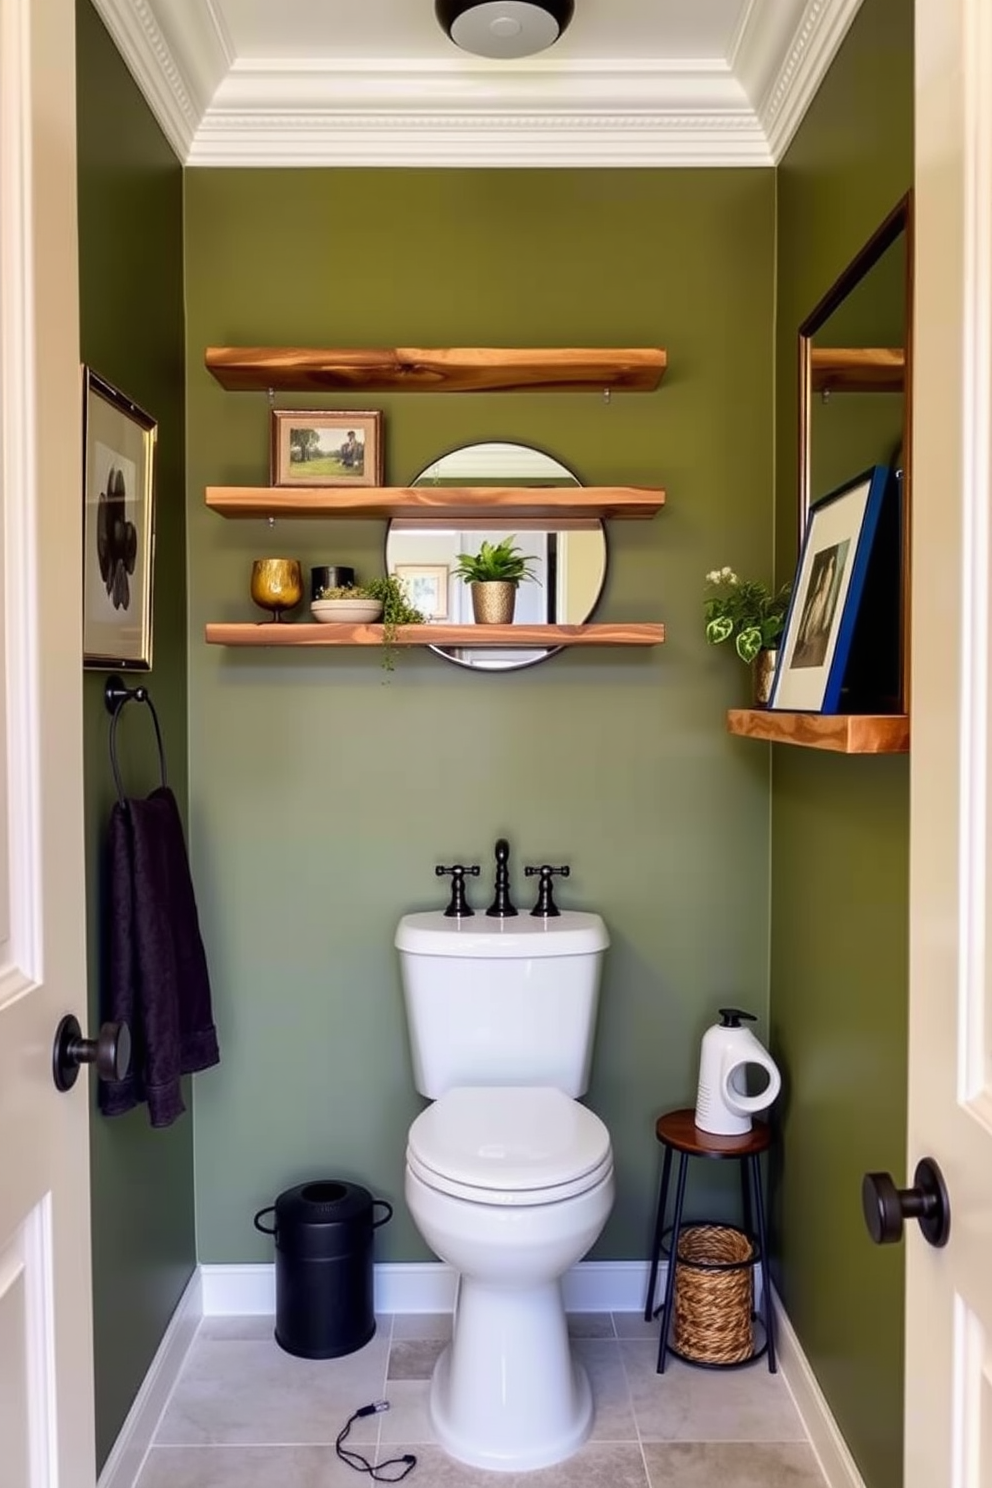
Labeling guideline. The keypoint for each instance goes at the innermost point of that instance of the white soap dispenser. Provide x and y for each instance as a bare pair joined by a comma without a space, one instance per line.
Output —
723,1106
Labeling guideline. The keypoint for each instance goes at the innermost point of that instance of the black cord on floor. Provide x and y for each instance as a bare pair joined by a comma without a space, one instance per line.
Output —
361,1464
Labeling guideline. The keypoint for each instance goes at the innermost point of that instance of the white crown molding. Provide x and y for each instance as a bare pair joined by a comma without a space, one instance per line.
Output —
138,37
628,114
817,41
762,46
478,140
217,110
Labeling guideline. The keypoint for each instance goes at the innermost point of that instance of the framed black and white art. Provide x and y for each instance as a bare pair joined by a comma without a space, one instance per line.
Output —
118,527
827,591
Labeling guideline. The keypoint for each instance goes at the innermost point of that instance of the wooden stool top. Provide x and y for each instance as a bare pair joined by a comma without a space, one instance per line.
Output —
678,1129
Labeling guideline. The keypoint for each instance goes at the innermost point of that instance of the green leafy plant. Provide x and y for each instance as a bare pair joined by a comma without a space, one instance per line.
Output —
495,563
748,612
396,609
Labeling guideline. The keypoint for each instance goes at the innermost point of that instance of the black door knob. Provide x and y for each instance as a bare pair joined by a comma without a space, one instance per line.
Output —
110,1051
885,1206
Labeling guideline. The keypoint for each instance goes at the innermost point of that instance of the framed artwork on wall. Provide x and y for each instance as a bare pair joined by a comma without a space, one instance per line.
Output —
316,448
826,593
426,586
119,442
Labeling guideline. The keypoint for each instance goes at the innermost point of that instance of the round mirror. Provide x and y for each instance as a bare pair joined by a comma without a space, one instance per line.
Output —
567,562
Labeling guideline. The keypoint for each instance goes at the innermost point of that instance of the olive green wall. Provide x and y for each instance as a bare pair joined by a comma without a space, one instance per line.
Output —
840,827
130,252
322,796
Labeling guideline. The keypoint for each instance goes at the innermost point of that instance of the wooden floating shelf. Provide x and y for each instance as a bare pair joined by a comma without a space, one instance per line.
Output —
452,502
415,369
861,369
844,733
270,634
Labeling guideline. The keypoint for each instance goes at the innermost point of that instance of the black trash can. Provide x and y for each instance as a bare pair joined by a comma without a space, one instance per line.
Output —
323,1234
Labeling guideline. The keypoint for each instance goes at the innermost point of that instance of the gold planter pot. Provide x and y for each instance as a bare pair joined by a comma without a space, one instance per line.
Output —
493,602
763,675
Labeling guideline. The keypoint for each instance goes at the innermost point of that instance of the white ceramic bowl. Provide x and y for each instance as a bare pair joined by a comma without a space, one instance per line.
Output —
346,611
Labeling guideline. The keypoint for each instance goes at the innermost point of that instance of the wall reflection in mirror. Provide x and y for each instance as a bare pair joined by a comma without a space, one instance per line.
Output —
855,370
857,376
568,560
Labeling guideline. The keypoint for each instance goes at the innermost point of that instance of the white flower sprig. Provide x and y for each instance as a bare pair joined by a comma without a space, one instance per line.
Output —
745,609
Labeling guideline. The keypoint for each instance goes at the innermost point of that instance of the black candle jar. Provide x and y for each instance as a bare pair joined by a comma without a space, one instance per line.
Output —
330,576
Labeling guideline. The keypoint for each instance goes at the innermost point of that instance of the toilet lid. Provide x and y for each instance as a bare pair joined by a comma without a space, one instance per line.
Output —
509,1144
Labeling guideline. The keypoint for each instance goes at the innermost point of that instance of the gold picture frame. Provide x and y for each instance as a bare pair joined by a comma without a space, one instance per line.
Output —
119,443
315,447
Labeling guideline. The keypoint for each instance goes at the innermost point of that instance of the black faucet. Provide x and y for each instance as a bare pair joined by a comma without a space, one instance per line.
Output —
458,906
501,908
546,905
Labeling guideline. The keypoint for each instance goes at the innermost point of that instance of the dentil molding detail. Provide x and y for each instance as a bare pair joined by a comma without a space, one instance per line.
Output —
376,114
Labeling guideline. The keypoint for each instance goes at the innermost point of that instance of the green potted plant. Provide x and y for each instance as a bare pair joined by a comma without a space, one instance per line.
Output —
494,573
751,615
395,610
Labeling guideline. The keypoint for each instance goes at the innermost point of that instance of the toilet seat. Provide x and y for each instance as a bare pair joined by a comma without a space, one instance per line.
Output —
509,1145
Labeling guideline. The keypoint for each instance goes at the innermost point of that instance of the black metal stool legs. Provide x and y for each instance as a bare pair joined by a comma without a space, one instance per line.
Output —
766,1284
747,1215
659,1230
666,1317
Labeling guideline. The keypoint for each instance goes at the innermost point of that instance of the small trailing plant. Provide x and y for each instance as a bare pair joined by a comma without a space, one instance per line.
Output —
396,609
495,563
744,610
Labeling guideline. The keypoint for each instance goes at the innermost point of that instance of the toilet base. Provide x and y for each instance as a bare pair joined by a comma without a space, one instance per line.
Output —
506,1394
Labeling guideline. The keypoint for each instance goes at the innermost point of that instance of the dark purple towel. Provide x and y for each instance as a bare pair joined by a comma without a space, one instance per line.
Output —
158,979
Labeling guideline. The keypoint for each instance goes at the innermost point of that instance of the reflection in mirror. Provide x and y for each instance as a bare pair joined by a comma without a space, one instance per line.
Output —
569,561
855,369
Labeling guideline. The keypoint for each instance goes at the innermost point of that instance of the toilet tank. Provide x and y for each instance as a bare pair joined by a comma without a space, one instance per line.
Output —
501,1002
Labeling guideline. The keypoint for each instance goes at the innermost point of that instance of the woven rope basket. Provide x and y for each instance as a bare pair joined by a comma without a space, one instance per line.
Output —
714,1295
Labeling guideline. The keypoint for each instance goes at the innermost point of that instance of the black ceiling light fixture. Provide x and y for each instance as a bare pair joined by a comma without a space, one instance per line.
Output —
504,28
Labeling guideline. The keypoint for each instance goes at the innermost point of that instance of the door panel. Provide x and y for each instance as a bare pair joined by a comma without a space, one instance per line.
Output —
46,1365
949,1291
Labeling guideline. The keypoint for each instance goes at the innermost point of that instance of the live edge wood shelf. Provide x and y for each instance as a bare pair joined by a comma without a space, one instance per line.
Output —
858,369
558,503
269,634
843,733
446,370
413,369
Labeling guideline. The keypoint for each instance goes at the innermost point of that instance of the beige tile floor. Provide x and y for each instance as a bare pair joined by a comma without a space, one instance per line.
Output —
245,1414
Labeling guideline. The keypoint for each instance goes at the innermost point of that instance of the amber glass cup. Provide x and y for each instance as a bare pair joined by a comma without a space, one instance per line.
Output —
276,584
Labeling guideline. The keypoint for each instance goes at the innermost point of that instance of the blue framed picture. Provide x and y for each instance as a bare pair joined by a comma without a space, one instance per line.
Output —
829,583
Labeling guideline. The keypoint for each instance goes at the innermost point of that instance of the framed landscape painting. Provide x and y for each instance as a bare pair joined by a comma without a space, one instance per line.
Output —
315,448
119,441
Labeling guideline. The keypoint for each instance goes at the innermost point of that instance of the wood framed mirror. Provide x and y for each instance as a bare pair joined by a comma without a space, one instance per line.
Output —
855,399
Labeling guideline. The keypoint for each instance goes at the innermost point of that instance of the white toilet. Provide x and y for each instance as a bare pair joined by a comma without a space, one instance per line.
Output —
508,1178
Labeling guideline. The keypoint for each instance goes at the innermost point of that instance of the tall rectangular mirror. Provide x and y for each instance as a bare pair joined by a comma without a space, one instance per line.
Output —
855,368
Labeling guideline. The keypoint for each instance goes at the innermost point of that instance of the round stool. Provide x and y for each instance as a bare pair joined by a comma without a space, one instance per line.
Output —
677,1132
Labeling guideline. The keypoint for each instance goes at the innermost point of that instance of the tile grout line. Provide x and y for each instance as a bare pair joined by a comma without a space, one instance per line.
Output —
633,1411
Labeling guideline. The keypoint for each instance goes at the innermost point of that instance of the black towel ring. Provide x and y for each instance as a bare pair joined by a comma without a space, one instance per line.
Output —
116,696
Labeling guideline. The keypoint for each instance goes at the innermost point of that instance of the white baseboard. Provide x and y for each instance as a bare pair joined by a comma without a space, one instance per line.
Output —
428,1286
129,1451
839,1467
